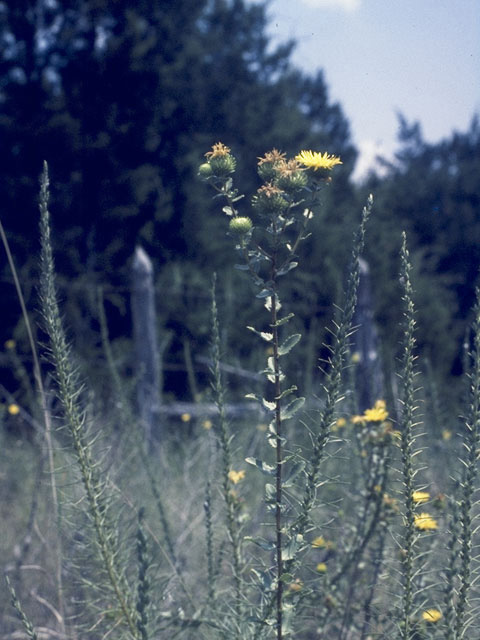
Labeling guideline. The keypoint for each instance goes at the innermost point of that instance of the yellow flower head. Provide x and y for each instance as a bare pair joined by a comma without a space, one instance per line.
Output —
10,344
13,409
185,417
207,425
218,150
236,476
319,542
378,413
432,615
321,567
419,497
446,434
425,522
315,160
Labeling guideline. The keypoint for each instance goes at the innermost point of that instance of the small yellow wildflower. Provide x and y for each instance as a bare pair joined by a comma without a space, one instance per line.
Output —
10,344
358,419
236,476
425,522
341,422
321,567
218,150
378,413
419,497
185,417
207,425
319,542
446,434
315,160
432,615
355,357
13,409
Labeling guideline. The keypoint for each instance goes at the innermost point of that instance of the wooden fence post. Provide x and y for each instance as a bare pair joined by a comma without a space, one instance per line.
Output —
147,356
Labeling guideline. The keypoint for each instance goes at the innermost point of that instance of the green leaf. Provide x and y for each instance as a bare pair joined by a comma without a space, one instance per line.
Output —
261,542
288,267
268,337
283,320
265,468
269,405
287,392
228,210
289,343
292,408
265,293
290,549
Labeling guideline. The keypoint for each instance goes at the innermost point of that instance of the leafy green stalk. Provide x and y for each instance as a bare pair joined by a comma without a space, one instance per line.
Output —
472,446
407,441
68,391
224,438
333,382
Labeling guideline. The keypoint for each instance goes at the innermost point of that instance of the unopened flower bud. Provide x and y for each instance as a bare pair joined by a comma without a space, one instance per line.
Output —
240,225
205,170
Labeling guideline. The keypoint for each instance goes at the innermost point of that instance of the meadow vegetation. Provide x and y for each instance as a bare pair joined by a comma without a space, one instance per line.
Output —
315,517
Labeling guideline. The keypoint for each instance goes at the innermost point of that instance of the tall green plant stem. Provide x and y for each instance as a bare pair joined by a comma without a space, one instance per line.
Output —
224,438
472,445
47,421
68,391
278,448
333,383
407,440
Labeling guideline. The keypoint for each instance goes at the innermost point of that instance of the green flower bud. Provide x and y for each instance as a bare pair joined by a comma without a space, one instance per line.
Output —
222,165
205,170
290,182
241,225
269,199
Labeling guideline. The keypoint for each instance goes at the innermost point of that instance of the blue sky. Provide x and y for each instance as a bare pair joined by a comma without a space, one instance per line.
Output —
419,57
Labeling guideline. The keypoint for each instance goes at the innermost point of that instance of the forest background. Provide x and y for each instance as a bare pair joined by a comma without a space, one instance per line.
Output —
123,99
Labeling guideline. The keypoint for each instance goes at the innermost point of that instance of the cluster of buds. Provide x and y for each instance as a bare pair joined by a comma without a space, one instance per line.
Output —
220,163
284,181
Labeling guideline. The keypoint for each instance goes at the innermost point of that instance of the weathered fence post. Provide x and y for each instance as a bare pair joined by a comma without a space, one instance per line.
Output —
369,378
147,356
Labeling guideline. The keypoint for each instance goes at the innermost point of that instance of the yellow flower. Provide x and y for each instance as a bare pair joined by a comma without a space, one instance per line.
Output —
207,424
358,419
10,344
321,567
341,422
419,497
432,615
13,409
425,522
378,413
319,542
446,434
315,160
356,357
218,150
236,476
185,417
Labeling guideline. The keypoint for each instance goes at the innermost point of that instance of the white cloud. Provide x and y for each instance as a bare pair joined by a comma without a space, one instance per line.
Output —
343,5
368,150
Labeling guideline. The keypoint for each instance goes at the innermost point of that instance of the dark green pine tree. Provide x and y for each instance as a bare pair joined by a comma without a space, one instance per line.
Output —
433,192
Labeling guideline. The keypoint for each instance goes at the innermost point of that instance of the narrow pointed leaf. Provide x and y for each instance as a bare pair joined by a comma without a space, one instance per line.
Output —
292,408
289,343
